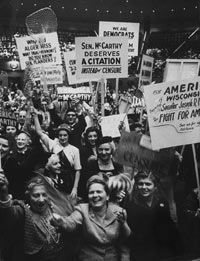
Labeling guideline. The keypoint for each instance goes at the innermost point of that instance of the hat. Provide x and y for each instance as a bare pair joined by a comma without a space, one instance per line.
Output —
63,126
105,139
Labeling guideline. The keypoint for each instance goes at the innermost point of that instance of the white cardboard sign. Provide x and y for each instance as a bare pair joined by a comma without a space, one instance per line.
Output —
110,125
130,30
39,50
173,112
49,75
70,63
64,93
146,71
101,57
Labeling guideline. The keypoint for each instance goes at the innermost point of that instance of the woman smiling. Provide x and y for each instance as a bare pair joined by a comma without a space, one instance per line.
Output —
104,226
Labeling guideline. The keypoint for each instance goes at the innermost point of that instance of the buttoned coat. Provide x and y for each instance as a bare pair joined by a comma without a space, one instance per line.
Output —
101,241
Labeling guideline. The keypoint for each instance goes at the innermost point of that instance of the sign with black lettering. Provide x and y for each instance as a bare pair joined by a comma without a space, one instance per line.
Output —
83,93
146,71
130,30
38,50
173,112
7,118
101,57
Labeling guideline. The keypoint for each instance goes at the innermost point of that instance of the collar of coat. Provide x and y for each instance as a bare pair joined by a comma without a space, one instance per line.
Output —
110,216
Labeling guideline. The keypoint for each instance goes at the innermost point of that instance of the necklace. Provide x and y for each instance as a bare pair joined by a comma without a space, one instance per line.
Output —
51,233
42,222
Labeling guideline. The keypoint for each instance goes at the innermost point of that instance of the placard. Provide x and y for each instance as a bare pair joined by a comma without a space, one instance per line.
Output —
101,57
178,69
110,125
71,68
7,118
53,75
37,50
146,71
173,112
65,93
130,30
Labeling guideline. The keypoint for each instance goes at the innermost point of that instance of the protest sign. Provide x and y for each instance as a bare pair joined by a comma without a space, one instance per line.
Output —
7,118
146,71
174,112
65,93
70,63
110,124
101,57
178,69
130,30
134,149
37,50
53,75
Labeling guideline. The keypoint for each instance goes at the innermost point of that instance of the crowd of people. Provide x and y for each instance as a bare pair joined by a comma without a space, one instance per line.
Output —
64,196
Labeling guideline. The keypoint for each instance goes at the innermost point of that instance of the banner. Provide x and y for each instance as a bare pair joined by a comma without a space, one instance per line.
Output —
101,57
37,50
7,118
65,93
146,71
110,125
173,112
130,30
53,75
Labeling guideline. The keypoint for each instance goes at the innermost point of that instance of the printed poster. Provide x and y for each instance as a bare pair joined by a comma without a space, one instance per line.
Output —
101,57
130,30
174,112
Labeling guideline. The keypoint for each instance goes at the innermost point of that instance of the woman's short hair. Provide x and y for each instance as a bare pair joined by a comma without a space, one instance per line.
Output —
99,180
33,182
50,161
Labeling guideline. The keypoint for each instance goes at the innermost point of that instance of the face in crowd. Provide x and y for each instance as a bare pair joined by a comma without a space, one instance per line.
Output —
38,199
22,141
97,196
71,117
11,130
104,152
4,147
146,187
92,138
22,117
54,164
63,137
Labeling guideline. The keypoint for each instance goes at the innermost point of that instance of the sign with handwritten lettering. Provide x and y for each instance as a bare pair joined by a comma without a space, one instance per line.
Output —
70,64
50,75
38,50
174,112
146,71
